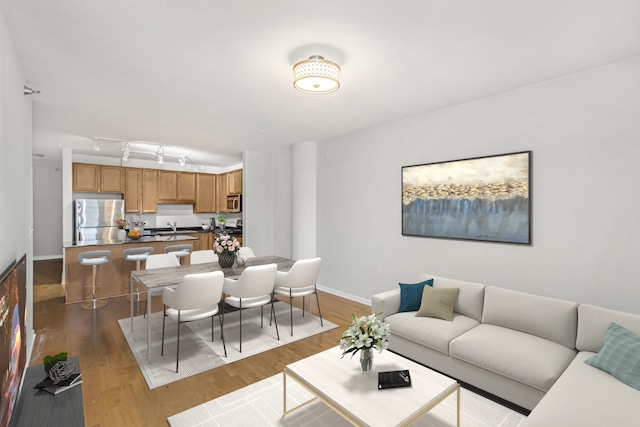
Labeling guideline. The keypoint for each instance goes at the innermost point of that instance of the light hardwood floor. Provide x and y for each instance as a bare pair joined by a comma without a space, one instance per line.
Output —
113,389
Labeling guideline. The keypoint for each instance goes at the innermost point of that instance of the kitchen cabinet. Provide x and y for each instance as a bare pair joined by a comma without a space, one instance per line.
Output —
205,193
186,187
206,240
167,186
86,177
222,192
176,187
234,182
133,190
149,190
112,179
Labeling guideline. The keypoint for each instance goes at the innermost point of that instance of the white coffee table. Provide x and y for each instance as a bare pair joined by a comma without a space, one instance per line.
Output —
354,394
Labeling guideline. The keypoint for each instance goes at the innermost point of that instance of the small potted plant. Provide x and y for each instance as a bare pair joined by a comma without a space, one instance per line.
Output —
222,220
50,361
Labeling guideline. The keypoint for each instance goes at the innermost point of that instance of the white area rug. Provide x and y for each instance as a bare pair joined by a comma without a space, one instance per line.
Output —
260,404
197,352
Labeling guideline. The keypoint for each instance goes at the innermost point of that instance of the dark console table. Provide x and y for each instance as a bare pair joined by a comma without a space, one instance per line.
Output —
40,408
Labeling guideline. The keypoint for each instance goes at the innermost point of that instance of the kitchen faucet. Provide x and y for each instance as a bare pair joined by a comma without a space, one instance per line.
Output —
173,226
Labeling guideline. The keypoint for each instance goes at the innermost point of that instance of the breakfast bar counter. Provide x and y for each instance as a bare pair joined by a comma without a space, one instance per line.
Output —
112,278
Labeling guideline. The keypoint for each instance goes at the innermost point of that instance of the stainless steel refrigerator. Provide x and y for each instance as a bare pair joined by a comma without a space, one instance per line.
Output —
95,219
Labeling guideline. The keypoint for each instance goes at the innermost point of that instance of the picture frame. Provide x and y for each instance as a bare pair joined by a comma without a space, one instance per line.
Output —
482,198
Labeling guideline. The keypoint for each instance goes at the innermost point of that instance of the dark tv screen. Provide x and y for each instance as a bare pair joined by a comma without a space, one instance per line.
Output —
13,342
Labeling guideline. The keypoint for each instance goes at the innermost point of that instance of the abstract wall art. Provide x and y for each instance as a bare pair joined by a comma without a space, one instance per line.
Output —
483,198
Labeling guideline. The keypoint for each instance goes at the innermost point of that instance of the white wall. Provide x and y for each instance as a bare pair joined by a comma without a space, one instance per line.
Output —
584,132
303,206
16,189
47,210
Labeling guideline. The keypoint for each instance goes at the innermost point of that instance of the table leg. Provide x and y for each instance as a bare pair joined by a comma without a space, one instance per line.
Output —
458,405
131,294
150,300
284,393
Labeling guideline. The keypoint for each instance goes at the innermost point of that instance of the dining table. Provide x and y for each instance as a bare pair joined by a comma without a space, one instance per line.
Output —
171,276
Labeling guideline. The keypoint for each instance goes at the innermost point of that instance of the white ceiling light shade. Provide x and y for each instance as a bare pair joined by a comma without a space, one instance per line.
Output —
316,75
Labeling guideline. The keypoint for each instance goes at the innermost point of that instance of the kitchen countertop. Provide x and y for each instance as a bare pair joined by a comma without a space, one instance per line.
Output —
157,238
157,235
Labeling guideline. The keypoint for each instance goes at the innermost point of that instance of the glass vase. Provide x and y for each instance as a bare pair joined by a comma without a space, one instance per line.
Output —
366,359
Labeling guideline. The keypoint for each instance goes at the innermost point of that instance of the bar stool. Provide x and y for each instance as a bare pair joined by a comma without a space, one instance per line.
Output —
137,255
94,259
179,251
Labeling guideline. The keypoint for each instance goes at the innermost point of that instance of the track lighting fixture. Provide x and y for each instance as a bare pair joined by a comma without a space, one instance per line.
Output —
182,160
28,91
97,145
126,151
160,154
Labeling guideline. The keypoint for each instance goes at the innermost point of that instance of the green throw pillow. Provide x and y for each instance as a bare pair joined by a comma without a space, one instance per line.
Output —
438,302
619,356
411,295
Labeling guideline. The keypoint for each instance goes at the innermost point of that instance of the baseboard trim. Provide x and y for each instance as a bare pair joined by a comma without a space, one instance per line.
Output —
345,295
46,257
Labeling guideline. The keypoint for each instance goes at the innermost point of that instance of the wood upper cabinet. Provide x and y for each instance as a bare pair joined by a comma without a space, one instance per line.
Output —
86,177
112,179
222,192
234,182
186,187
133,190
149,190
176,187
205,193
167,186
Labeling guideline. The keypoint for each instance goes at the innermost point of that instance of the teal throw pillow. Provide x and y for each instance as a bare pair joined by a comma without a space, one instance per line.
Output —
411,295
620,355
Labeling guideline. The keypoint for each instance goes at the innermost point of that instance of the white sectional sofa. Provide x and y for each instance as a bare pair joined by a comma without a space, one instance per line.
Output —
524,348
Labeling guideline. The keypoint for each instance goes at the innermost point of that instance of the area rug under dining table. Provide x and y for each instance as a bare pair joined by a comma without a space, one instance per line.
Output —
197,352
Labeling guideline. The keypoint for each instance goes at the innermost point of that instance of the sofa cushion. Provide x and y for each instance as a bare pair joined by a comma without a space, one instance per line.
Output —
620,355
429,331
470,299
594,321
549,318
522,357
411,295
587,397
438,303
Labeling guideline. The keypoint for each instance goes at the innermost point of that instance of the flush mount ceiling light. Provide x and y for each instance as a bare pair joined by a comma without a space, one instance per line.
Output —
316,75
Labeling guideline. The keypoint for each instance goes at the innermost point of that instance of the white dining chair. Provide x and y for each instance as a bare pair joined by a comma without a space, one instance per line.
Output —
196,297
203,256
247,252
158,261
300,281
254,288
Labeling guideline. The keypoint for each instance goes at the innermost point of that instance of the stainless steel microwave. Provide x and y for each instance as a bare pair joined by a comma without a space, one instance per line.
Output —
234,203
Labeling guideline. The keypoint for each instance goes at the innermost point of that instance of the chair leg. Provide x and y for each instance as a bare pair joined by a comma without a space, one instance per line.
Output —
222,319
164,316
178,349
318,302
224,346
291,309
240,325
275,320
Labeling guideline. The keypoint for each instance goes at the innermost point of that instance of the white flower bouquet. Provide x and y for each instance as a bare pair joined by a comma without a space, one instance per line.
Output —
365,332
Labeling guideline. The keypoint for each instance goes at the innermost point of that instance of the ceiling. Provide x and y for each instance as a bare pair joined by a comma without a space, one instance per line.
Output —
210,79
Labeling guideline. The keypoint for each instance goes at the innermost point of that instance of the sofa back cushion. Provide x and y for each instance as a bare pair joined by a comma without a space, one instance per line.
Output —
471,296
594,321
548,318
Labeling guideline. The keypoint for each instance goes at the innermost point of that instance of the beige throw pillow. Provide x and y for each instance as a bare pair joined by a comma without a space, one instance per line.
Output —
438,302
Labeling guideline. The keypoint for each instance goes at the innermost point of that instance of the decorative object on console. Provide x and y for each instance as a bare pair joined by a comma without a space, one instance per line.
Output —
365,333
483,198
49,361
226,247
